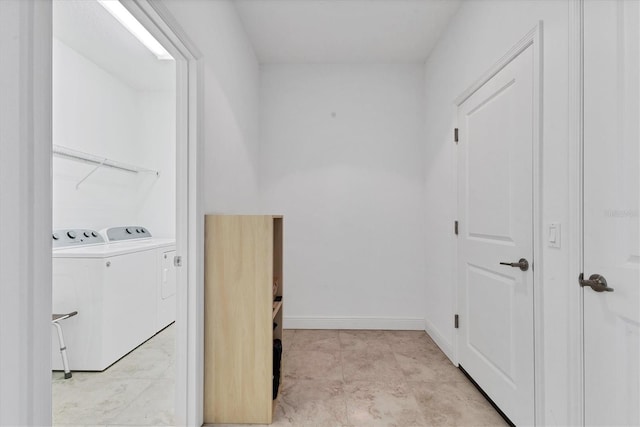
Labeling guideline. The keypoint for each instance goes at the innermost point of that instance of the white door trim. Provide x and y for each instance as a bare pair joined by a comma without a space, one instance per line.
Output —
25,212
575,307
532,39
189,214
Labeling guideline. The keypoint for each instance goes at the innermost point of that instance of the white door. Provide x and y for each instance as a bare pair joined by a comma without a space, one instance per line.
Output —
495,205
611,208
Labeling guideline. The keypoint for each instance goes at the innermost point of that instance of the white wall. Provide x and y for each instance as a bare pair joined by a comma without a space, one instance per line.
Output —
156,195
230,127
97,113
342,149
480,34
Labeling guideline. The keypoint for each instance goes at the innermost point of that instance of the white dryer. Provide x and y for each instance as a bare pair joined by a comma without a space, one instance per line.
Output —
135,235
114,287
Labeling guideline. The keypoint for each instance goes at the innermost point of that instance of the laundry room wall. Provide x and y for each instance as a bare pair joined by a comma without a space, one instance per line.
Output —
93,112
97,113
341,154
230,90
479,35
157,150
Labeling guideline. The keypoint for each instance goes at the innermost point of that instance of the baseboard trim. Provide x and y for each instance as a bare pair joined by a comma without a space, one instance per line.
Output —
388,323
438,338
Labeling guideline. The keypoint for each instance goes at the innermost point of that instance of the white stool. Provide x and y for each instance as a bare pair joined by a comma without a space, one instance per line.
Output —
55,318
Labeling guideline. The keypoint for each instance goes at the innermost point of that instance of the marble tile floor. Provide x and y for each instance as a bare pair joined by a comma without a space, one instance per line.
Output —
374,378
330,378
137,390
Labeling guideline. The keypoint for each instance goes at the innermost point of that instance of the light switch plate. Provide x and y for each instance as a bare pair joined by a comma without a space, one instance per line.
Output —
553,235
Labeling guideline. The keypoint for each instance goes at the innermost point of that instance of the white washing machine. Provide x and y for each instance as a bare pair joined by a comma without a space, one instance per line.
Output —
116,288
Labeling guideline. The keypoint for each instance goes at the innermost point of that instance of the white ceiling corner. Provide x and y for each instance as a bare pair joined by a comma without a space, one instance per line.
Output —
344,31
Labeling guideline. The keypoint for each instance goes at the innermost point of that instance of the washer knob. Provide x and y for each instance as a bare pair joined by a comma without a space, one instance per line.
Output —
55,236
138,230
86,234
71,234
128,230
94,234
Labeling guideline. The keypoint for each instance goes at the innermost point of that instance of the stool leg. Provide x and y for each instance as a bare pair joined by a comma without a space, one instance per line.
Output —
63,351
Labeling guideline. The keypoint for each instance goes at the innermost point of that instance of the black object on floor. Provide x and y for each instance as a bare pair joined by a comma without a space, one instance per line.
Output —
277,357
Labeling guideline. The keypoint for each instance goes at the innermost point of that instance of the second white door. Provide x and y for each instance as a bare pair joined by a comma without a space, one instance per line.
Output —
495,205
611,213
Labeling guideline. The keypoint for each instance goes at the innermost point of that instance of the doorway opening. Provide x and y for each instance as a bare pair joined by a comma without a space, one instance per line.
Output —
125,205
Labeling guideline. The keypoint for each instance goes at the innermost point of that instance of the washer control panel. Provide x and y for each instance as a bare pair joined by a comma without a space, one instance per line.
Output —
129,232
75,237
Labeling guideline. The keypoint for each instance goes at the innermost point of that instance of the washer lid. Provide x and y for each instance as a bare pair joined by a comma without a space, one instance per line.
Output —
114,249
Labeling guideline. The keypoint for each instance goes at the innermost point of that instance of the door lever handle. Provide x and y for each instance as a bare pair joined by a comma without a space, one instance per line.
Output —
522,264
597,282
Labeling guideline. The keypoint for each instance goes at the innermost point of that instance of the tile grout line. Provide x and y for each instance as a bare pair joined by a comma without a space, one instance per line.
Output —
344,383
409,388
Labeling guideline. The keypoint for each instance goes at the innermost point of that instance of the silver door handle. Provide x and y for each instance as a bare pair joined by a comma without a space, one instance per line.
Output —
522,264
597,282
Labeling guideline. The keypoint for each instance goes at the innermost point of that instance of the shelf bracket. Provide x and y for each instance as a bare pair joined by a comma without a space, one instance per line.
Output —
90,173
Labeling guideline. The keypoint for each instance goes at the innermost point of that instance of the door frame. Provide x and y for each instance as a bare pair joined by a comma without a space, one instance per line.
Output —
25,212
189,211
26,40
575,307
533,38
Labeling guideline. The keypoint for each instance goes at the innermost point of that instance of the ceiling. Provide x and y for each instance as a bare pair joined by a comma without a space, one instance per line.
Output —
281,31
344,31
89,29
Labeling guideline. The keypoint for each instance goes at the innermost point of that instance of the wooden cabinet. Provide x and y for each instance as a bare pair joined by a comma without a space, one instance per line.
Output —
243,260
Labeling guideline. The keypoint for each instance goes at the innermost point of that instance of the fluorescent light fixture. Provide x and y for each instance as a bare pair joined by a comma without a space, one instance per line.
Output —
115,8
